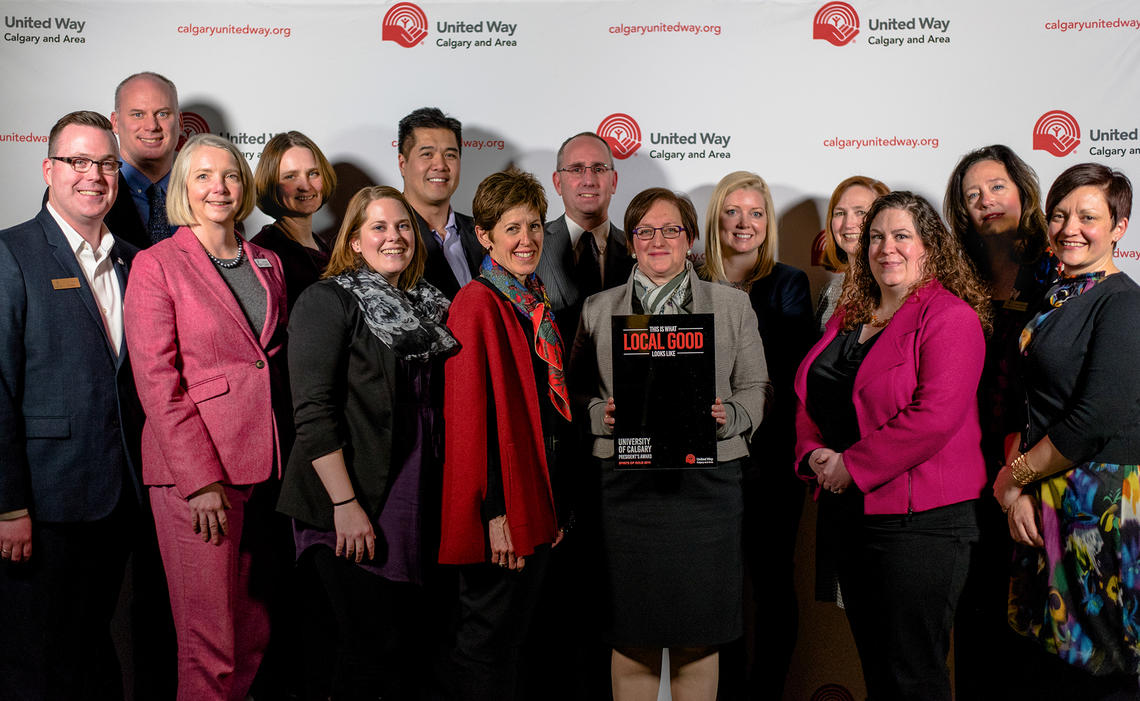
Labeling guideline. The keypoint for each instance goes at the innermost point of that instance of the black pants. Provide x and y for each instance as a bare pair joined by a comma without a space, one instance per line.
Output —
901,578
496,609
376,654
56,610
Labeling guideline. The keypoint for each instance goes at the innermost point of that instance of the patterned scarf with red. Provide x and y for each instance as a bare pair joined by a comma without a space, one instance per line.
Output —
532,301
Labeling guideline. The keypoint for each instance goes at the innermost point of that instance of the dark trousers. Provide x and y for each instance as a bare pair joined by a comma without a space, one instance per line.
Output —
773,504
377,654
56,610
496,609
901,577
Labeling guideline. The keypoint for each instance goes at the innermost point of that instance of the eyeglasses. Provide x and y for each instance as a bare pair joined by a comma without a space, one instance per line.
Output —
579,170
646,233
82,165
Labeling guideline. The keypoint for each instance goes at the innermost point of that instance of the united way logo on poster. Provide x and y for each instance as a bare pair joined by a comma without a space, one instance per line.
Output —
622,133
1056,132
192,123
404,23
836,23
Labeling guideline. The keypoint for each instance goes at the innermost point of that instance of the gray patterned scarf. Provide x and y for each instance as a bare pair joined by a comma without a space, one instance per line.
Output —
410,323
674,297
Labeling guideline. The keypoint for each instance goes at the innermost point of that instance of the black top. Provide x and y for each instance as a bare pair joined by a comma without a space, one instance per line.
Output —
1082,379
782,302
301,265
830,384
344,394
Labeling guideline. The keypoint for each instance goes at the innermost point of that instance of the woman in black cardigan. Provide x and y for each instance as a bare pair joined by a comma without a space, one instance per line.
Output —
364,346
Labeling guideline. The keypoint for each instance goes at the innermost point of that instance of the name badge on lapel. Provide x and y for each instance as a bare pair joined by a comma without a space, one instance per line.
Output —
65,283
262,263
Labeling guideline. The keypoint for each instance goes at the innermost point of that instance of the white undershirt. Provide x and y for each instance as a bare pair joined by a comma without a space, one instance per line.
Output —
97,267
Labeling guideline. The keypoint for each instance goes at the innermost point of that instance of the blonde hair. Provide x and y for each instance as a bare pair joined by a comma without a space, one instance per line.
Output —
713,268
177,198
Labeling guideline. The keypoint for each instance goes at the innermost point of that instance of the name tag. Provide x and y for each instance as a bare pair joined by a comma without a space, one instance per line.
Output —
1015,306
262,263
65,283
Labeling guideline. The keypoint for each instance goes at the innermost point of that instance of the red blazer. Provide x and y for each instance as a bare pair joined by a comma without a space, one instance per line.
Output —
494,362
916,402
205,382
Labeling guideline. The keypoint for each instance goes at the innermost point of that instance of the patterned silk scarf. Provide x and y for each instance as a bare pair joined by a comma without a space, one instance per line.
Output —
674,297
410,323
1061,292
531,301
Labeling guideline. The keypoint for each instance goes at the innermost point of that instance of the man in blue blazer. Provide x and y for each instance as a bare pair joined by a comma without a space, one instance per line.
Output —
69,421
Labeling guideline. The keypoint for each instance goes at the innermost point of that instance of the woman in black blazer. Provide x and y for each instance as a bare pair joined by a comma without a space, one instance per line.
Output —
741,251
364,346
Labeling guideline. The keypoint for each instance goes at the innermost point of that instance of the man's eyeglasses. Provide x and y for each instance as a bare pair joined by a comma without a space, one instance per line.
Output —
82,165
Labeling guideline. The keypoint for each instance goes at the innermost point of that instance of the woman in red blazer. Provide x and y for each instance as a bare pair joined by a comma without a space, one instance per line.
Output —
887,427
506,410
205,325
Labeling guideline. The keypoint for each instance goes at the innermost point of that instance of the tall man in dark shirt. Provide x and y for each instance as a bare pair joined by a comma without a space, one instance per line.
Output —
148,124
431,146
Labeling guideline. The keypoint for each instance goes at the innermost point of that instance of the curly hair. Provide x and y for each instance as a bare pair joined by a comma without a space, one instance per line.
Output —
1030,239
943,261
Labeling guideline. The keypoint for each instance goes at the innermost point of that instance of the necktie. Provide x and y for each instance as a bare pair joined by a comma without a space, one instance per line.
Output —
157,225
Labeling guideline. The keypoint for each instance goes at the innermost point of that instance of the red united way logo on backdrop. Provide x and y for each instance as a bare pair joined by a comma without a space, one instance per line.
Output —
1056,132
622,133
836,23
404,23
192,123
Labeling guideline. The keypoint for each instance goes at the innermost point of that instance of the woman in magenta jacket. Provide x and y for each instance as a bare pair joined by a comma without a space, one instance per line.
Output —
204,320
887,427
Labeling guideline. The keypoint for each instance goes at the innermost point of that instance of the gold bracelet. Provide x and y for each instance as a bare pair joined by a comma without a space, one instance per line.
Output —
1021,472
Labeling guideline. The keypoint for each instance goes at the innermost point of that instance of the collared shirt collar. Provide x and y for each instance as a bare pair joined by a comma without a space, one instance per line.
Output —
601,233
77,242
139,182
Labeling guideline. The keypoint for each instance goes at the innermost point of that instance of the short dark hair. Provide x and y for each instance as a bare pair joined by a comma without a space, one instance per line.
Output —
265,178
503,191
641,203
1116,186
153,76
83,118
427,118
562,148
1029,243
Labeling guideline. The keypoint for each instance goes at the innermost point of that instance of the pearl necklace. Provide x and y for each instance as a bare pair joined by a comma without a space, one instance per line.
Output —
228,264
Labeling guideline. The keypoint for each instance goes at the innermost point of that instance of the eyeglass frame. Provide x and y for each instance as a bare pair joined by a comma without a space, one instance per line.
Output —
74,160
655,229
599,170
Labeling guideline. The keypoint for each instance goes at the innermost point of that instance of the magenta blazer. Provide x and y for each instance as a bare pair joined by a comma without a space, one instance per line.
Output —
916,402
204,380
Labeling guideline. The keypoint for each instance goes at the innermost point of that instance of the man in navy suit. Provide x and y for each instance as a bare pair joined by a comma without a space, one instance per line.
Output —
69,421
431,150
584,253
147,121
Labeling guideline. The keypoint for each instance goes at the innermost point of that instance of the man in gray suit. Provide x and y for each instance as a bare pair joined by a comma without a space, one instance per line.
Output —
583,252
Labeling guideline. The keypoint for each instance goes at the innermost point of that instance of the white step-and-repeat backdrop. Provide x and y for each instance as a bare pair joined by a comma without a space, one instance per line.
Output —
805,93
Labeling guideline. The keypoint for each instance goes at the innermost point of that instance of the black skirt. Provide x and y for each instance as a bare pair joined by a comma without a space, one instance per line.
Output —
671,547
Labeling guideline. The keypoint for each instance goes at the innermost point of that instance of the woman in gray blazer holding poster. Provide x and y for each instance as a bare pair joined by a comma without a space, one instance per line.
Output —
671,538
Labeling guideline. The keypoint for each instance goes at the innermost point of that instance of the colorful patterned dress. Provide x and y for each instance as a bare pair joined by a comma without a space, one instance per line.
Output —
1079,596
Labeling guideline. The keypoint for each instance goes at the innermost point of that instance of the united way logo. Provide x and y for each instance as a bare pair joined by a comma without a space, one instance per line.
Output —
837,23
622,133
1056,132
404,23
192,123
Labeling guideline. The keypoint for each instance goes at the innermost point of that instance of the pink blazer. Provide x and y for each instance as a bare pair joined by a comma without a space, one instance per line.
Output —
915,398
205,381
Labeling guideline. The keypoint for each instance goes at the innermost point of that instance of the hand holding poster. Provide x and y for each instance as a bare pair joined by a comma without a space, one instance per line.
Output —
664,389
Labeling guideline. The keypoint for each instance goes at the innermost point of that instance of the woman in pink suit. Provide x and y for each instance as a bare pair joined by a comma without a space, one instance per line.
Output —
205,324
887,427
